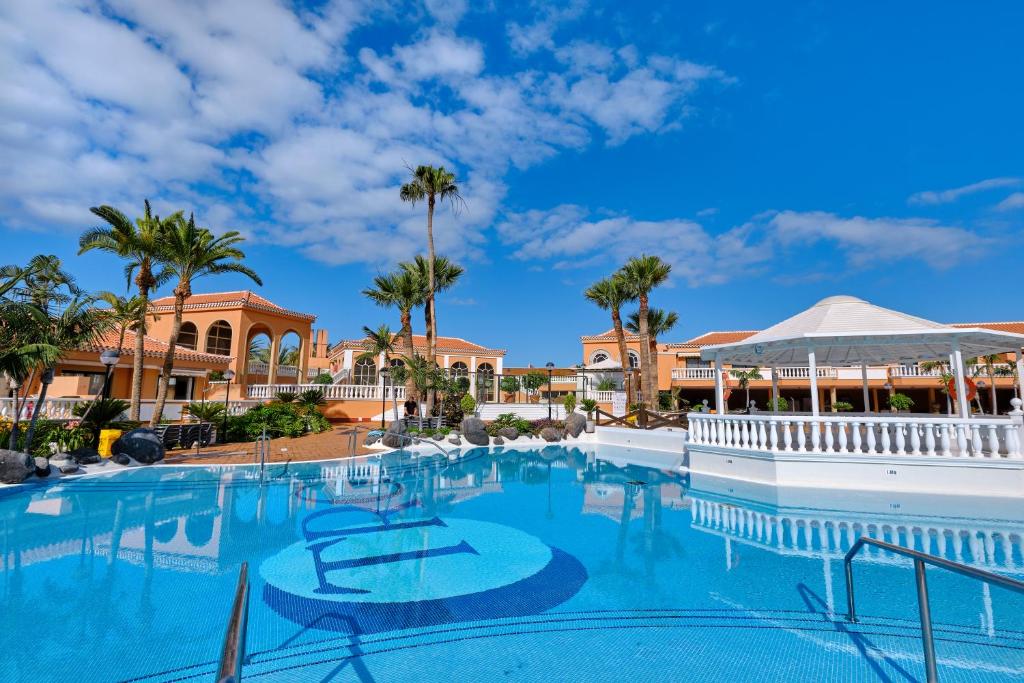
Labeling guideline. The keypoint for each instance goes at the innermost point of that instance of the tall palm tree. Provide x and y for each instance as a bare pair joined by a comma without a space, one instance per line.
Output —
611,294
125,312
659,323
744,377
446,274
190,252
138,243
382,341
432,185
641,275
400,290
43,282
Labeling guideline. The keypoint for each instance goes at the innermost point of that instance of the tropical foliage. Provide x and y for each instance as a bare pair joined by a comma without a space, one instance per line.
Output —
611,294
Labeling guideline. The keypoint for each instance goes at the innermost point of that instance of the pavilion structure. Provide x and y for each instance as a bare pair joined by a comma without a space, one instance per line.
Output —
846,331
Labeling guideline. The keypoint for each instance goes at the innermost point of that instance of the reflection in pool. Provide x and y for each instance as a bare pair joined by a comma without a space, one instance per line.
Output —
521,563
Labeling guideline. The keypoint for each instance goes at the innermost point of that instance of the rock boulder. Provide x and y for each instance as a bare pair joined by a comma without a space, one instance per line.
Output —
473,430
85,456
64,465
121,459
498,441
575,424
42,466
143,446
371,438
395,436
551,434
508,433
15,466
455,440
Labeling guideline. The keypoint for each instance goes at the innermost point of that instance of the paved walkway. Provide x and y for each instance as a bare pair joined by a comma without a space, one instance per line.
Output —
336,443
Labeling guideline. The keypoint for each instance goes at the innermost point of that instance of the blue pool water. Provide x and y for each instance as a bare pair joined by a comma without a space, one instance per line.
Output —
518,564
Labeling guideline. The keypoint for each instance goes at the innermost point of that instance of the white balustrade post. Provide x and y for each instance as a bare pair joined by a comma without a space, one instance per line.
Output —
915,438
719,392
883,428
855,436
993,440
829,439
762,436
787,435
945,442
801,438
773,435
929,438
901,442
869,433
976,445
841,429
1015,430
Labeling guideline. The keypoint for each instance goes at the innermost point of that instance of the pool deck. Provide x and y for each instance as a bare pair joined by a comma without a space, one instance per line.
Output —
325,446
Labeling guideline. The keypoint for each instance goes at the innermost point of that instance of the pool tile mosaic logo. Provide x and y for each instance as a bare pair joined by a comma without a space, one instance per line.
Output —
365,575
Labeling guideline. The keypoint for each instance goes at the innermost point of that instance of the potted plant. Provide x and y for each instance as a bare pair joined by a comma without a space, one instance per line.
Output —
468,405
842,407
900,402
569,403
509,385
589,406
533,381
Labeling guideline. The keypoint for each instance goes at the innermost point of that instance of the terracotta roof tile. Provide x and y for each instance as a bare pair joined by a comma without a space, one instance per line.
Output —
708,338
152,348
444,345
1013,326
608,336
243,298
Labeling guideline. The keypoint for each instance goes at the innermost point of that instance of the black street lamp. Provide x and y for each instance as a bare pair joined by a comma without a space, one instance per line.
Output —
109,358
229,375
551,369
384,373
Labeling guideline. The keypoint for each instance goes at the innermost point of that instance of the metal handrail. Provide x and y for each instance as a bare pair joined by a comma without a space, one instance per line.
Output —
924,609
233,653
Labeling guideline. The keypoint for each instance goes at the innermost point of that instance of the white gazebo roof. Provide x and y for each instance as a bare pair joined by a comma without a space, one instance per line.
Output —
845,330
608,365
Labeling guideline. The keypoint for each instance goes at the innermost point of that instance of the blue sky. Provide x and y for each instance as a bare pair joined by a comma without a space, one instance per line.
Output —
774,153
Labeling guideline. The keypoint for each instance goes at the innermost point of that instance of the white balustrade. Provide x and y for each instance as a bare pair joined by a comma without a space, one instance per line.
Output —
332,392
601,396
52,408
693,373
868,435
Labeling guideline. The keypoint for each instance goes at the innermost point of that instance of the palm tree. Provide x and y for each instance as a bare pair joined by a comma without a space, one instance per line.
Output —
138,243
433,185
659,323
190,252
610,294
402,291
641,275
382,342
125,313
744,377
446,274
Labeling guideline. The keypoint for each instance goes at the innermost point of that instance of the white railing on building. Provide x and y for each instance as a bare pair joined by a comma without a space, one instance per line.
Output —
798,372
261,368
693,373
332,392
867,435
601,396
766,373
52,408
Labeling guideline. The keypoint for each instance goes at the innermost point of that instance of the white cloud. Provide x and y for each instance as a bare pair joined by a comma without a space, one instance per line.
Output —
949,196
1012,202
527,38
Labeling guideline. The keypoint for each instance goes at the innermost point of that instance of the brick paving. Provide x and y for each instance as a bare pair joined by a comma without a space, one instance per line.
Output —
333,444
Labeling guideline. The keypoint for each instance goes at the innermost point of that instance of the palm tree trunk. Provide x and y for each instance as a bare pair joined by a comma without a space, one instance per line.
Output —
406,334
45,386
620,338
429,307
140,349
12,440
652,349
645,352
168,366
992,385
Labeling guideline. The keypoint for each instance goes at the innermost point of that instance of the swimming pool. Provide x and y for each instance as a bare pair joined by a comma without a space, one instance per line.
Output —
520,564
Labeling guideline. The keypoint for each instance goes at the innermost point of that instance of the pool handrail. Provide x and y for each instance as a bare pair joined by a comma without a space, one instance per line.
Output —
923,606
233,652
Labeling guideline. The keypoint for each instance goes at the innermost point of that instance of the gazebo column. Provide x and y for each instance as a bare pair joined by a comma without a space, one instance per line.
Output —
864,386
1020,373
812,371
961,386
719,392
775,390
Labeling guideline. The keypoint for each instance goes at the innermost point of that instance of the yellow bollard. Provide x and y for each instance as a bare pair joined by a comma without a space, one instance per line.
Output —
107,439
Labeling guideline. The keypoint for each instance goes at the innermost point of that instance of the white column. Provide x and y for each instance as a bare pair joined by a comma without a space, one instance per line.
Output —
719,393
346,360
775,389
812,371
498,364
961,386
447,361
472,376
864,386
1020,374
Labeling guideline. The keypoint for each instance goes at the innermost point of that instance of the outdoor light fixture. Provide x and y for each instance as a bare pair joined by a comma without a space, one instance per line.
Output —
229,375
551,369
384,374
109,358
887,386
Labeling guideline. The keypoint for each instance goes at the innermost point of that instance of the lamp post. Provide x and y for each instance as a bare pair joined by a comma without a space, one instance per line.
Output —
888,390
981,390
229,375
384,374
551,369
109,358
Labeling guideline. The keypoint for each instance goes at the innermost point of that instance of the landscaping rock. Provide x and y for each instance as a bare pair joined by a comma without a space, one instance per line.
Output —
438,436
143,446
372,438
551,434
474,431
42,466
498,441
575,424
15,466
64,465
455,441
121,459
508,433
85,456
396,435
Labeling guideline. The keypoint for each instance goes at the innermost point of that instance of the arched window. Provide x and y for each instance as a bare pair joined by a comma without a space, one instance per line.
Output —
485,382
459,369
634,359
218,339
599,356
189,336
365,371
393,363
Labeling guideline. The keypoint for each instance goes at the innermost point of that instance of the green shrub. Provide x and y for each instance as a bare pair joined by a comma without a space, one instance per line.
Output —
279,419
468,404
311,398
323,378
842,406
285,396
900,402
569,403
607,384
588,405
532,381
47,432
104,413
509,384
665,400
216,376
206,412
781,404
